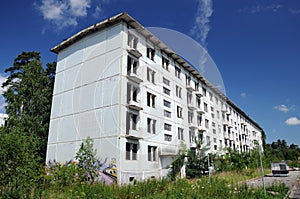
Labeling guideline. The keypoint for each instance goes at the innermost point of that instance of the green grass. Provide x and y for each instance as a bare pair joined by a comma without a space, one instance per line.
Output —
235,177
181,188
223,185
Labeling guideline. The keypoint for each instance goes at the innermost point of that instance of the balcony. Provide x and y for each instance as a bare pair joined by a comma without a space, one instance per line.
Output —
134,105
198,93
191,106
224,109
193,145
192,125
225,123
134,52
134,77
167,150
200,110
201,128
226,136
133,134
189,87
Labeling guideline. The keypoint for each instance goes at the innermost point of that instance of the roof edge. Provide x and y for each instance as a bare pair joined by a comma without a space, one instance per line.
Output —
124,16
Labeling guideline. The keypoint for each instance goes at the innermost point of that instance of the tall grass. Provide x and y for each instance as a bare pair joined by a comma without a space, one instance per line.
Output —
223,185
182,188
235,177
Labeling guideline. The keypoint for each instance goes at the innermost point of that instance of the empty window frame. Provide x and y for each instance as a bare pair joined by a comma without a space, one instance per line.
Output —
151,126
208,142
152,153
168,137
205,107
180,134
177,72
167,127
150,53
132,41
206,123
198,101
204,91
166,81
132,93
178,91
151,75
167,113
131,121
211,96
189,98
132,65
165,63
179,112
151,100
190,117
196,86
167,103
188,80
199,119
192,136
166,91
131,151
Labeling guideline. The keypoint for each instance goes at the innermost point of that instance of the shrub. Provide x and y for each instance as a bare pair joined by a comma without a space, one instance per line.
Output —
87,161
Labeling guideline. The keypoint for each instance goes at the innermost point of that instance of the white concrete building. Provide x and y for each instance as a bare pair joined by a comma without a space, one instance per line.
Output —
119,84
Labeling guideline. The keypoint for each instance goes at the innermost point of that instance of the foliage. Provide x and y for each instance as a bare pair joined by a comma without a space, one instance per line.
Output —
28,96
87,161
197,159
180,188
280,150
234,160
18,163
178,163
62,175
196,165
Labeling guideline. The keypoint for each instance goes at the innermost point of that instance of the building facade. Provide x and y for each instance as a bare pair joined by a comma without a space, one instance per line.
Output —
139,101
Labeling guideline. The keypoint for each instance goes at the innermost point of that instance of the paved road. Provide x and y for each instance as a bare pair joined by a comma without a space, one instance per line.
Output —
269,179
290,181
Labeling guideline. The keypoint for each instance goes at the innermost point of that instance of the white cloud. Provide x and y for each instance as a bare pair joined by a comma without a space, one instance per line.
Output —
97,12
2,99
2,79
201,27
284,108
293,121
261,8
63,13
79,7
295,12
243,95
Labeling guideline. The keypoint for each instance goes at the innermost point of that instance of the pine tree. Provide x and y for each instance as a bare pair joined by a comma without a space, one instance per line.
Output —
29,97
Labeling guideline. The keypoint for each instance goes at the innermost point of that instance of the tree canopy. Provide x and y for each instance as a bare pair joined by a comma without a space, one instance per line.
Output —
28,95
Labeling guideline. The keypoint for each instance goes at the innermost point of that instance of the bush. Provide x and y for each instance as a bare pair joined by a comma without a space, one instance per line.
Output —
87,161
19,163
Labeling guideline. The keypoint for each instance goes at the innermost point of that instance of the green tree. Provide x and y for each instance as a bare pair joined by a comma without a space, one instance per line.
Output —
18,163
197,163
29,97
87,161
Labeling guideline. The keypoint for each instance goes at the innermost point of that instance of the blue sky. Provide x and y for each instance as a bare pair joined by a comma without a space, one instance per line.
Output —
254,43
